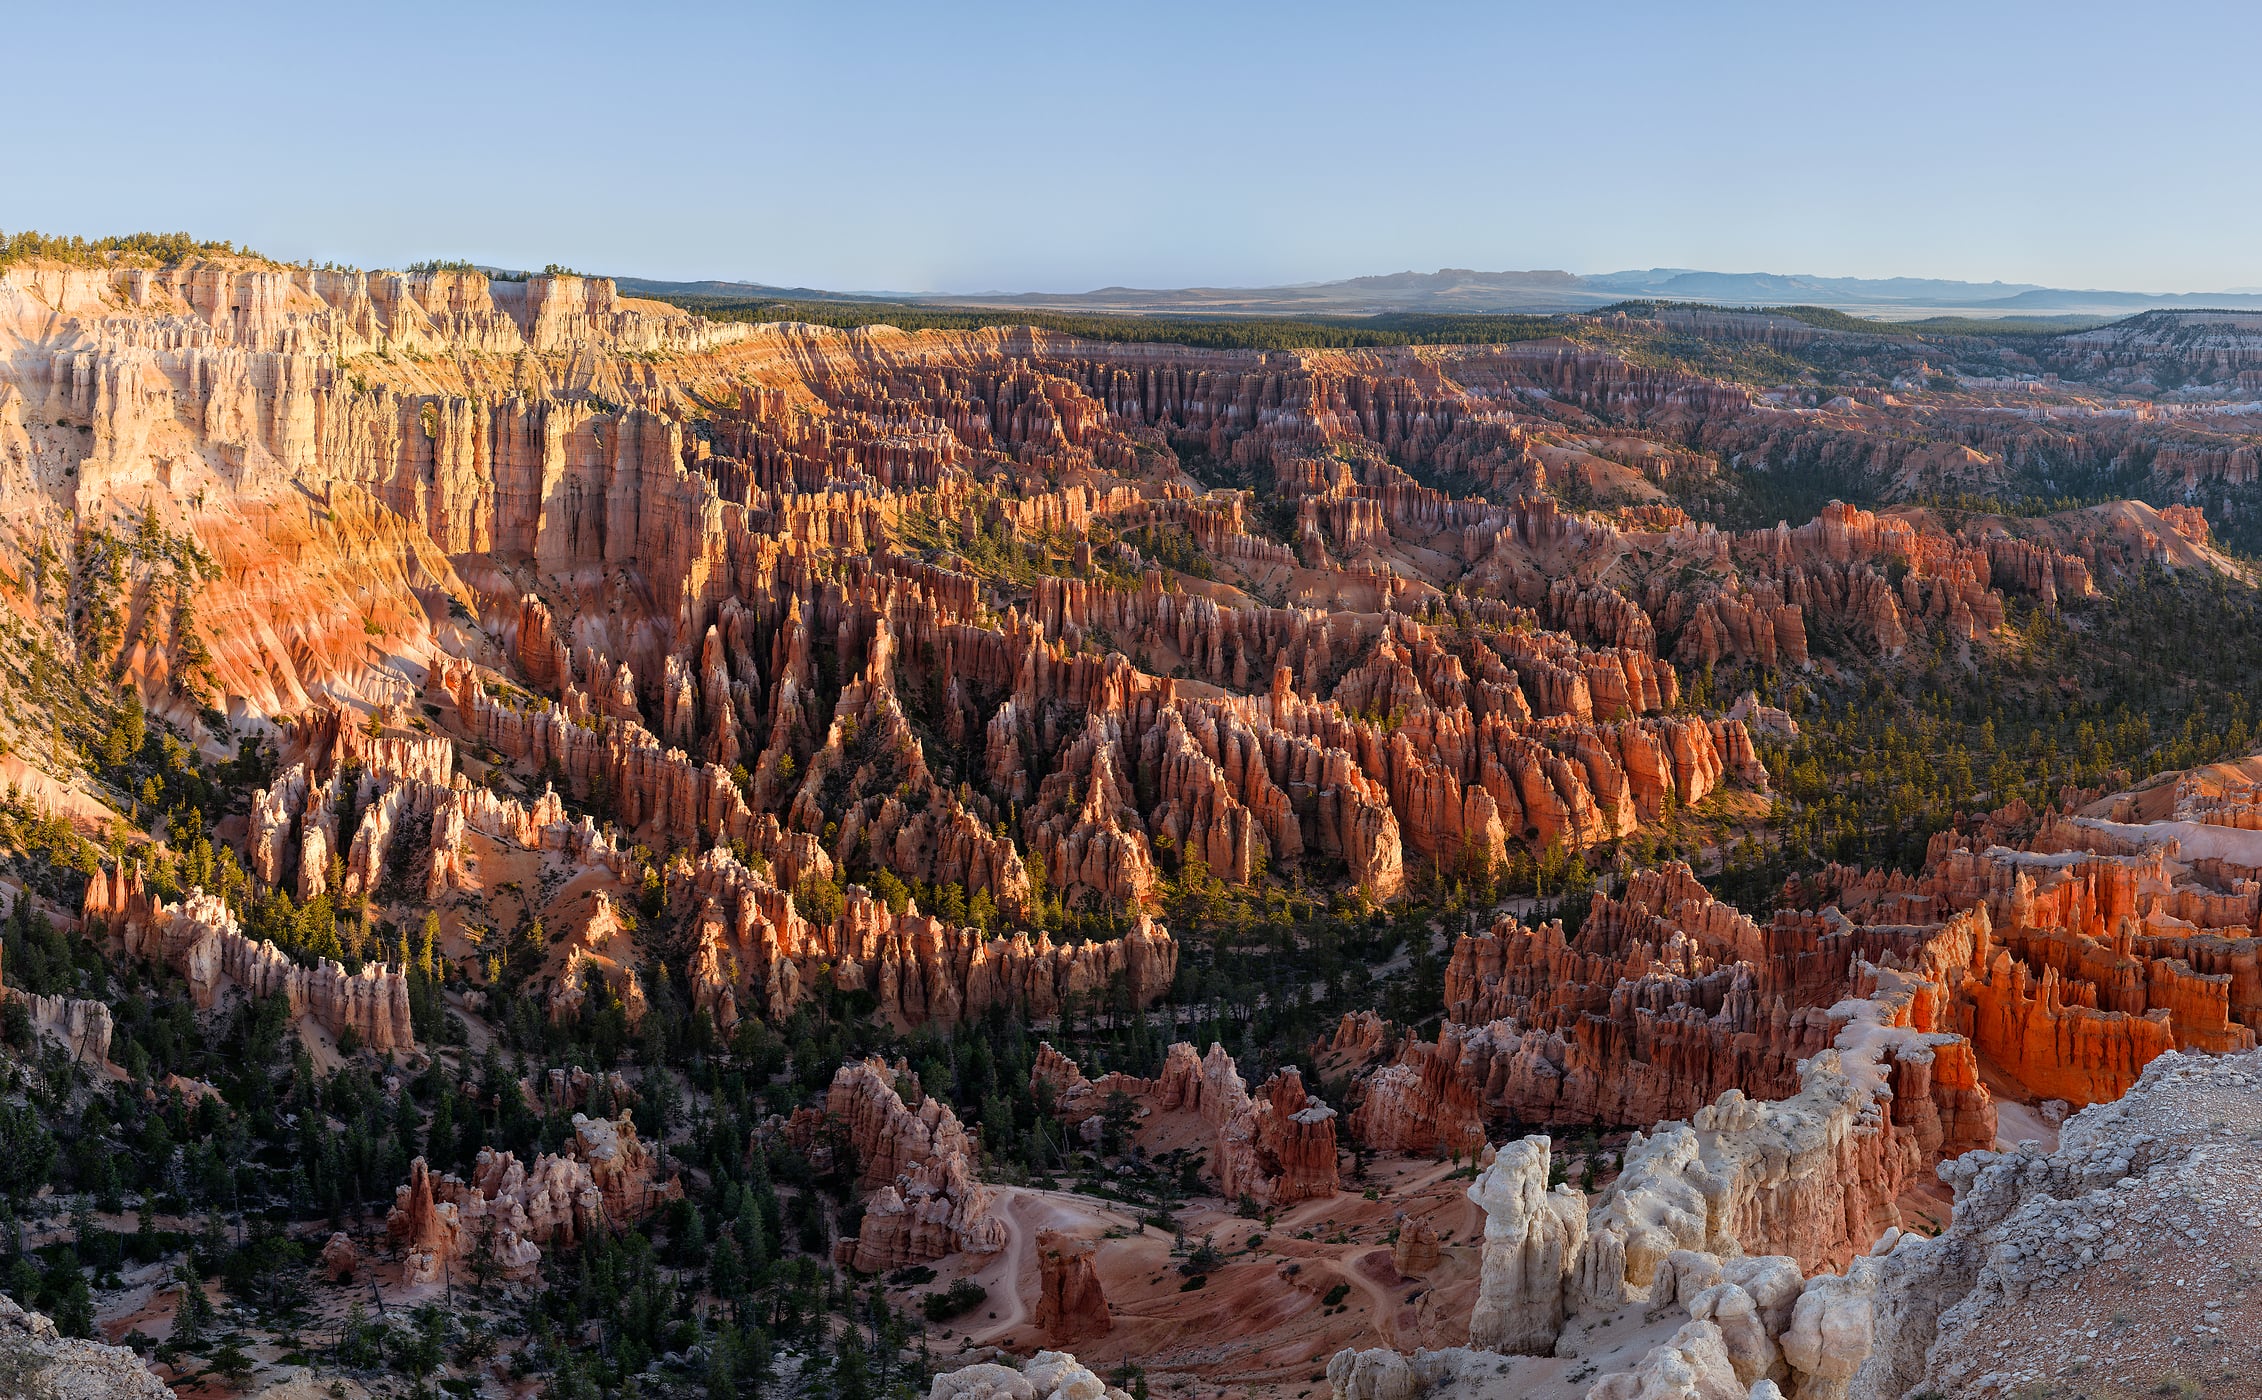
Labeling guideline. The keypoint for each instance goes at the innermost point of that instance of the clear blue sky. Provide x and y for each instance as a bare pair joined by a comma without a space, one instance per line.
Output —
957,147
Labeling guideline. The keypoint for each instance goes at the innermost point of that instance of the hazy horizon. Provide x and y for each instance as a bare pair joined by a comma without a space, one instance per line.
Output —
1372,273
1023,148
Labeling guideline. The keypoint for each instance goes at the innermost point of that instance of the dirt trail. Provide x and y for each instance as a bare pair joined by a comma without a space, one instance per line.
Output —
1012,1276
1015,1257
1386,1301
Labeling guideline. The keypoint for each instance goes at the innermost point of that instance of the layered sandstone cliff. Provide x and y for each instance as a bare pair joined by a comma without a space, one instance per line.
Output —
926,1201
756,952
199,939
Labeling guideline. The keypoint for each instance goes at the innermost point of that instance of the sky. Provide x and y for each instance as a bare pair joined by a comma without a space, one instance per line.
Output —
1061,147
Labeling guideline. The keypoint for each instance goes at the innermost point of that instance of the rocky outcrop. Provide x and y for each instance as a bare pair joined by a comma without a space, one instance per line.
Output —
1416,1251
1667,1000
2133,1187
498,1221
2103,948
1095,846
1532,1241
1049,1375
1290,1140
570,1089
1070,1302
340,1259
756,946
48,1364
2056,1048
1671,1233
1077,1100
1275,1148
199,939
1424,1103
1721,1217
1693,1364
82,1027
622,1165
2040,1252
927,1202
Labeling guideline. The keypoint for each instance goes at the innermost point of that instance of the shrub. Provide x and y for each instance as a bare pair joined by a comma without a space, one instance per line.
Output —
961,1297
1202,1258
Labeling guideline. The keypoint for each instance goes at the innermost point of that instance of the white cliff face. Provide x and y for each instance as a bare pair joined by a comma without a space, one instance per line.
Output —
81,1027
1656,1206
1531,1240
1049,1375
1692,1365
2120,1257
1561,1280
1794,1179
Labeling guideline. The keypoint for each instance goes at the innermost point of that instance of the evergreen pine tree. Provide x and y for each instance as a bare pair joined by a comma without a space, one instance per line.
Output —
192,1316
440,1133
852,1368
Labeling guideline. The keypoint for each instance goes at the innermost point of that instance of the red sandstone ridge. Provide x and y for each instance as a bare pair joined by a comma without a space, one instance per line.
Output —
1276,1147
744,692
2101,948
2062,968
1668,1004
1422,1104
757,952
1290,1139
1070,1302
435,461
199,939
928,1202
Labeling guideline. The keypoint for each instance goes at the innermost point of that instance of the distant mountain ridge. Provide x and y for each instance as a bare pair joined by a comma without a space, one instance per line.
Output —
1465,291
1691,284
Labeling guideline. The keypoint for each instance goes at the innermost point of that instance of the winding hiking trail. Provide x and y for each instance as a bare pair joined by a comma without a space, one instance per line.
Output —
1017,1256
1013,1272
1385,1301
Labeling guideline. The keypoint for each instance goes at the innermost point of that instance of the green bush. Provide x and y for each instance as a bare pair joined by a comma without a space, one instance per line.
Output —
961,1297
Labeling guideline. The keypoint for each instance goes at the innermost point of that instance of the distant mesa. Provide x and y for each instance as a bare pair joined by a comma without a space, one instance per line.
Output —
1461,291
